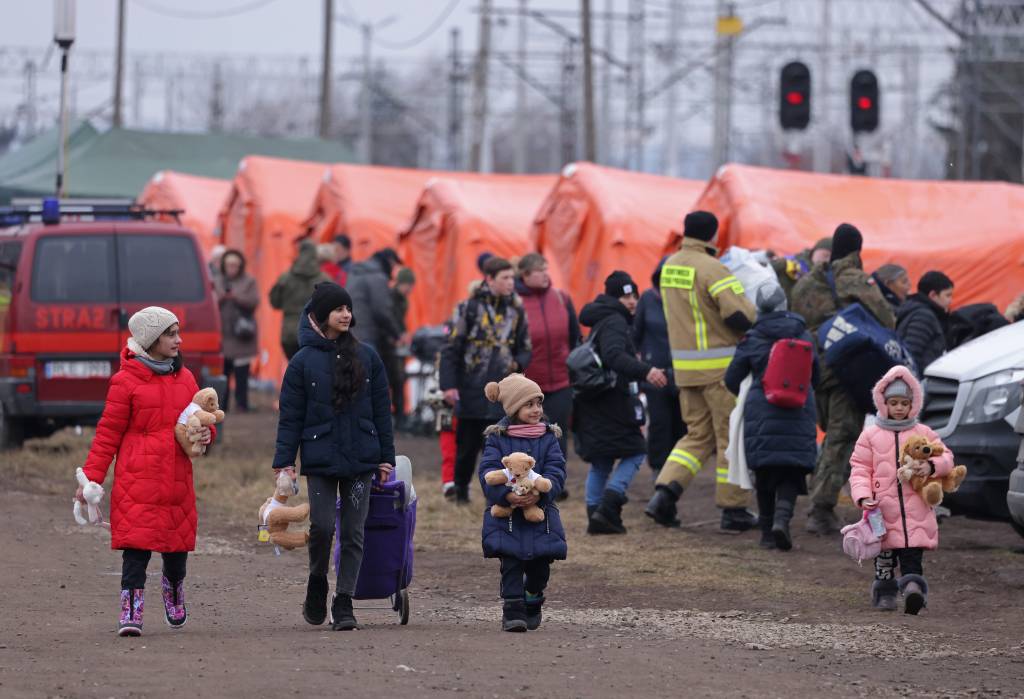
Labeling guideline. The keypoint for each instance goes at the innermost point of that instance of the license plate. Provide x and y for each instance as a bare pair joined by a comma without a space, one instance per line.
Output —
77,370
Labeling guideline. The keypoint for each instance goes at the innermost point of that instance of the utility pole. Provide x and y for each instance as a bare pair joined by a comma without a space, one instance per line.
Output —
366,103
519,154
727,28
605,149
217,100
637,52
569,129
589,136
455,106
64,37
325,73
822,129
119,68
675,21
480,88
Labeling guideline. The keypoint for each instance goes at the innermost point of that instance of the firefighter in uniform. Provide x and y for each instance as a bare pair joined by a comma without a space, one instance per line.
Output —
838,414
707,313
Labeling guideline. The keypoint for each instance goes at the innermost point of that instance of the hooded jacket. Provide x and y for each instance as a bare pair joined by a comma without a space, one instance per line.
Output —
153,500
515,536
554,331
909,521
608,425
922,324
338,444
294,288
772,435
368,284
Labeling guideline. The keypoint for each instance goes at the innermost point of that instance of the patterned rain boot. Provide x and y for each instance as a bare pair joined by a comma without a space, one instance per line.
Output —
132,605
174,603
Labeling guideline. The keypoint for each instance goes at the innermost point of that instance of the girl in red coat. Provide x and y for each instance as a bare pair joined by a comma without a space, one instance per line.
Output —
153,503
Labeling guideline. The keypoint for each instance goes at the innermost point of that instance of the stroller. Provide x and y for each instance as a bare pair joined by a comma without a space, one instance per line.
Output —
428,400
386,570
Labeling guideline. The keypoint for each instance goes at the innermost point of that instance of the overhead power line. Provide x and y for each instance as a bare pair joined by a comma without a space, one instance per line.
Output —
353,17
177,13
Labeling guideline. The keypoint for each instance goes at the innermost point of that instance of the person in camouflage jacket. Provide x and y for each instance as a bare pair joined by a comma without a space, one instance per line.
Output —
489,340
838,414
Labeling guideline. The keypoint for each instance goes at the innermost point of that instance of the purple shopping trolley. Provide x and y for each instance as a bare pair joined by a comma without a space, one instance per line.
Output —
386,570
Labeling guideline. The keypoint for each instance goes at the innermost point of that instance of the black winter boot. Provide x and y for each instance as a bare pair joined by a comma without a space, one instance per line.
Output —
915,593
314,609
737,519
533,615
513,616
607,518
883,595
767,541
780,525
342,618
590,519
662,506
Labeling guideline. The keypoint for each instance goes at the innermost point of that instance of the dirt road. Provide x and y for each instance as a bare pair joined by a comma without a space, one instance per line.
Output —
656,613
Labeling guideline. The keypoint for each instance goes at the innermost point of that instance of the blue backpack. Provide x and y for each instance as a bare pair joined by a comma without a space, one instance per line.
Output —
859,350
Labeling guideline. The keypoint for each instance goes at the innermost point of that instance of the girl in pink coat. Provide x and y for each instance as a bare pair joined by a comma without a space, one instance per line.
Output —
910,525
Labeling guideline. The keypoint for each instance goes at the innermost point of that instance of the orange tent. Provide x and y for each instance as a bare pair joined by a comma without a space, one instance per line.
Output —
201,198
457,218
599,219
969,230
263,217
370,204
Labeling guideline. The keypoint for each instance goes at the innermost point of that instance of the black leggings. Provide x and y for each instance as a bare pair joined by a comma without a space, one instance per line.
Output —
135,561
781,492
240,371
911,562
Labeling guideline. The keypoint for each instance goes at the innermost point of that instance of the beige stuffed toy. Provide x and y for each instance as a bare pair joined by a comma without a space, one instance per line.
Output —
519,475
203,411
276,515
918,448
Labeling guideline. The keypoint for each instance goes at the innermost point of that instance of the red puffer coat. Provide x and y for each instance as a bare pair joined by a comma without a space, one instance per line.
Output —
153,502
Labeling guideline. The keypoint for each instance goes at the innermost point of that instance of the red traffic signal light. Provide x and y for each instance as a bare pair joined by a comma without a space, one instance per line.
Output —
795,96
864,102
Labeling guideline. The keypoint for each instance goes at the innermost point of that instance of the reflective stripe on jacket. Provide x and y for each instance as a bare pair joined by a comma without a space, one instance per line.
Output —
699,293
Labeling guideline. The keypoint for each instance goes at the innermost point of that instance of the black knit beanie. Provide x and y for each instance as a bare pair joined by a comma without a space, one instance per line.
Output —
328,296
619,284
845,241
700,225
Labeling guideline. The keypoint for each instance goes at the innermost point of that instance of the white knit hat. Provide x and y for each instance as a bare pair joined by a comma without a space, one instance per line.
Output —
147,326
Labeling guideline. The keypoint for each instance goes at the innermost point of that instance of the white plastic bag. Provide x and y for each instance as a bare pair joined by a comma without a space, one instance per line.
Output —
735,453
751,273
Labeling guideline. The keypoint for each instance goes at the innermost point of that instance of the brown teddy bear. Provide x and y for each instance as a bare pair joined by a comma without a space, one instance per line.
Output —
275,515
203,411
918,448
519,475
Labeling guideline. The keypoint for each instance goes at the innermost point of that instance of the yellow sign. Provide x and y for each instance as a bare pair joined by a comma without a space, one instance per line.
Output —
729,26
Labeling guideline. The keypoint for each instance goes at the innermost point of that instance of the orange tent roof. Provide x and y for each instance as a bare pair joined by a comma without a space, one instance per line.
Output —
370,204
599,219
458,217
201,198
263,216
970,230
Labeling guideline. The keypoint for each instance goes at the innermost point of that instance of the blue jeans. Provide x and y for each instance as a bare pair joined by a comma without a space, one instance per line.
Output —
602,477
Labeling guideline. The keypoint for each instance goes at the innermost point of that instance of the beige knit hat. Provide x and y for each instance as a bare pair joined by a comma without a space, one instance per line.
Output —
514,391
147,326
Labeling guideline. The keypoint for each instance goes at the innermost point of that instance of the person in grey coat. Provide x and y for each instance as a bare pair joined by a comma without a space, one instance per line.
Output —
369,283
238,297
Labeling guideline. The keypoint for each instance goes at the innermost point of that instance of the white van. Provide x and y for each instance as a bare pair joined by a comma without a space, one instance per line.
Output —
973,401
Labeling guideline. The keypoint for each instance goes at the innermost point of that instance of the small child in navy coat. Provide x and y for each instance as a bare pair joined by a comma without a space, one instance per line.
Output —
526,549
779,442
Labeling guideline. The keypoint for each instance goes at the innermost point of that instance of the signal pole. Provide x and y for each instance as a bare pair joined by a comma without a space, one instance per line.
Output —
519,153
476,159
118,120
325,73
727,28
675,20
589,140
455,106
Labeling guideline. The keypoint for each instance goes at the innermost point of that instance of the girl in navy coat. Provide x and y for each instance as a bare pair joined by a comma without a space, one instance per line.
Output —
780,443
336,412
526,549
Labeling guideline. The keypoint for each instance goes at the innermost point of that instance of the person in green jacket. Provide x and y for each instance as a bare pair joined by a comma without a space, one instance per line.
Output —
293,290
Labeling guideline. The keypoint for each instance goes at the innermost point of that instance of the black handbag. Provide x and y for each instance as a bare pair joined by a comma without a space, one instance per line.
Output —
587,373
244,327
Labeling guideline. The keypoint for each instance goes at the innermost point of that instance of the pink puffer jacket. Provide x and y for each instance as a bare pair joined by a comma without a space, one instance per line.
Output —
909,521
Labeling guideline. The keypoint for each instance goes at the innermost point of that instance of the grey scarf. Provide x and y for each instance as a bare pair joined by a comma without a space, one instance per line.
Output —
895,425
160,368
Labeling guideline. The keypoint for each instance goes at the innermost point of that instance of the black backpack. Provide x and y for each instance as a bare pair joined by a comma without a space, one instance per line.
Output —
587,374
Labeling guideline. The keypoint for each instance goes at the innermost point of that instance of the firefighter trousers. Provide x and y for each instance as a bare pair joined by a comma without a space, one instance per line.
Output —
706,411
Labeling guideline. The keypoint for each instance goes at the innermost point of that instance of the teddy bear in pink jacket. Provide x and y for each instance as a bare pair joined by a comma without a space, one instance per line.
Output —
910,524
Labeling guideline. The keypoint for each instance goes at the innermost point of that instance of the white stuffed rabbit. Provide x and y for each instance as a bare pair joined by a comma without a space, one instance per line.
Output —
93,493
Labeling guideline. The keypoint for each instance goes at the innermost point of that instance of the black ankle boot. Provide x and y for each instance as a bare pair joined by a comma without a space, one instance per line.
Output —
533,613
607,518
342,618
780,525
662,507
513,616
314,609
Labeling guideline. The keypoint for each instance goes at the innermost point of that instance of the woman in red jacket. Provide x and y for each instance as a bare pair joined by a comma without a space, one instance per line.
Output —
153,503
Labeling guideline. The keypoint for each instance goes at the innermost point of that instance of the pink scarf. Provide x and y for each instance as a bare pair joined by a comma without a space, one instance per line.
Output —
528,431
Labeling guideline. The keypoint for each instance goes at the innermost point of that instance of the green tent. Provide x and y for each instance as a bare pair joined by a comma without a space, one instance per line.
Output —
119,162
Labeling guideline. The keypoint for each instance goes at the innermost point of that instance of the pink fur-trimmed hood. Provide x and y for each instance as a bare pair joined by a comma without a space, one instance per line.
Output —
917,394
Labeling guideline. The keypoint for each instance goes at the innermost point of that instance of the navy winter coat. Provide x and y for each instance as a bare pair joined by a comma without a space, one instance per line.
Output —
773,436
514,536
332,443
921,324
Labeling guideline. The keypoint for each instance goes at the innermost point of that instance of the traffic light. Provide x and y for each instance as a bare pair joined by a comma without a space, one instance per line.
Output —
795,96
864,101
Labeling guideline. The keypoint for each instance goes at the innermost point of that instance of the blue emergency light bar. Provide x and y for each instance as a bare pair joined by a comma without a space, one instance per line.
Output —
51,211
